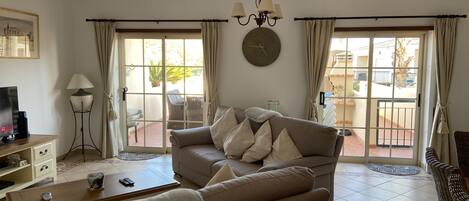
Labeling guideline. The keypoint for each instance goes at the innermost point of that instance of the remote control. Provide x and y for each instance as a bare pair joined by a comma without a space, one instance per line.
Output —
124,182
131,183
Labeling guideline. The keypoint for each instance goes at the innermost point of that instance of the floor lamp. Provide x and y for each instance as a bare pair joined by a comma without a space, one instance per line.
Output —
82,104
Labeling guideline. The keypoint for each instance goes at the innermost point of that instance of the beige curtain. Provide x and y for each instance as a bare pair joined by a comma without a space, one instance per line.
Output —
211,40
105,34
445,38
318,39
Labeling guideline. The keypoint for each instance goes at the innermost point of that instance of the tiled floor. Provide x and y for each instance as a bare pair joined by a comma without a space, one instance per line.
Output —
353,182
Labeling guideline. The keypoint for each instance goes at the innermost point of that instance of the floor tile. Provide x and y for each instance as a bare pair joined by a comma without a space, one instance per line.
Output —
378,193
395,188
421,195
359,197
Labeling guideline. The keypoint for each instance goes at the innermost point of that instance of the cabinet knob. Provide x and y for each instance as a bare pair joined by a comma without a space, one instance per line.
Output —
44,167
43,152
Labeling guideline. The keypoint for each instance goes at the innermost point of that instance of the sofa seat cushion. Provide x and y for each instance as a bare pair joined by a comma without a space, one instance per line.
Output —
201,158
238,167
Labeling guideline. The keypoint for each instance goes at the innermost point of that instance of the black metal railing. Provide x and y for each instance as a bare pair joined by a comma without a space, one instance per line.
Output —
399,130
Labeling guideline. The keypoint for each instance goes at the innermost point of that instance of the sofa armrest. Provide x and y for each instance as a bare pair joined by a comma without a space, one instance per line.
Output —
319,194
310,162
192,136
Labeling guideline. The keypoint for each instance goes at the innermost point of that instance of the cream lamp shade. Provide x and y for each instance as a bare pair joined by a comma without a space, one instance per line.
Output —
277,13
266,6
79,81
238,10
81,100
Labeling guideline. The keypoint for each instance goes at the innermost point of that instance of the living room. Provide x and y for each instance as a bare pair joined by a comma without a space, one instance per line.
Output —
369,69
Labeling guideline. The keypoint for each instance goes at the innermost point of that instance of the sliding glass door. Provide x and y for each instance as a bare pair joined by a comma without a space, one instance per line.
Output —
372,94
162,78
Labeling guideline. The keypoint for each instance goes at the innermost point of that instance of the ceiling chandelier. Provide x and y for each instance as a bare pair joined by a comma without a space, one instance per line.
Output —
268,13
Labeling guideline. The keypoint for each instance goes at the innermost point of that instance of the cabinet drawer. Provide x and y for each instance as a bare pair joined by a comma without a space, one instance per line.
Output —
43,168
42,152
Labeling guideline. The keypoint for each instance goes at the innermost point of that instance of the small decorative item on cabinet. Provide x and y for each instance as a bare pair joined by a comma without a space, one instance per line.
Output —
96,180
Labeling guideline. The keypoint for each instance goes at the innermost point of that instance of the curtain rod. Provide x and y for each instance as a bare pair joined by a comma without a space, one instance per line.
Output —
379,17
155,20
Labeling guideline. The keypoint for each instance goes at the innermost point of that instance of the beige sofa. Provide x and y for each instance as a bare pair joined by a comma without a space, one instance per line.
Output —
195,157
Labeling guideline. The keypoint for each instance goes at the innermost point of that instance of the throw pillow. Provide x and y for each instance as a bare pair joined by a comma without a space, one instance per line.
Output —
262,145
221,128
283,149
220,112
224,174
238,140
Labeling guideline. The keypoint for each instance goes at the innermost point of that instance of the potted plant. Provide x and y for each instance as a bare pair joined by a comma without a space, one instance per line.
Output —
173,74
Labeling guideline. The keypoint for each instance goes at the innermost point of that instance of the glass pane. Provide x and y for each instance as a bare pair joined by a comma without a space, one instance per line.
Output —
358,50
154,80
402,143
135,133
194,125
334,82
404,114
154,134
134,116
153,108
175,79
153,52
175,111
168,134
194,52
355,114
329,114
337,54
359,83
194,108
381,86
380,142
133,52
354,143
407,52
406,83
134,107
381,112
383,52
174,52
194,81
133,79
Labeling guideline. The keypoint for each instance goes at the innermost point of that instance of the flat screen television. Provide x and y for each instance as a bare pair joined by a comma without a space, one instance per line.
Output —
8,111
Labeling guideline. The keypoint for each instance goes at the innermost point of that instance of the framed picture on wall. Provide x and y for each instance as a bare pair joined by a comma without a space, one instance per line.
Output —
19,34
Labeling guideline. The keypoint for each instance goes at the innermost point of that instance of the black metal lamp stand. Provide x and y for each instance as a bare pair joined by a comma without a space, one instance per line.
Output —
82,145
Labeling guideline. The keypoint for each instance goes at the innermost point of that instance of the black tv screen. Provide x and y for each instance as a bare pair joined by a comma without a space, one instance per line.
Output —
8,110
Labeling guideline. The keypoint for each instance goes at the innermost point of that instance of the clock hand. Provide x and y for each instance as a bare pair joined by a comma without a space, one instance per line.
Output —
263,49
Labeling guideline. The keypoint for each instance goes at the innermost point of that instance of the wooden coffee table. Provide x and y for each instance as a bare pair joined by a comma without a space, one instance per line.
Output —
146,182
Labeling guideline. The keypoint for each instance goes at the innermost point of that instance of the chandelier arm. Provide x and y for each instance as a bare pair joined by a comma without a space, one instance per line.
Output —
249,20
273,24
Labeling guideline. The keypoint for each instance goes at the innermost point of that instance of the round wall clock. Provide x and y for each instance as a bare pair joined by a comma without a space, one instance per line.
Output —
261,46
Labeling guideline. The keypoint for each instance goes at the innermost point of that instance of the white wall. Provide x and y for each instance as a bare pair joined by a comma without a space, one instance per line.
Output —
41,82
241,84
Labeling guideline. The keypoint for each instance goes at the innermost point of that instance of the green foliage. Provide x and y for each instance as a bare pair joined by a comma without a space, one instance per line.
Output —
173,74
356,86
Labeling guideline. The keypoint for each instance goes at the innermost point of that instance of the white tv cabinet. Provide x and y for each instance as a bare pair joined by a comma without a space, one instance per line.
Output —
40,152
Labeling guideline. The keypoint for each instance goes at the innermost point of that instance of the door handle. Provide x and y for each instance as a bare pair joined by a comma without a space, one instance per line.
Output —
124,93
322,98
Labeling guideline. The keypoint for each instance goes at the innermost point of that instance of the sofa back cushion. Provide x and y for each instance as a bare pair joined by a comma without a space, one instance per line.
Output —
265,186
310,138
240,116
